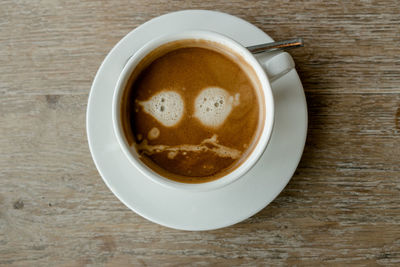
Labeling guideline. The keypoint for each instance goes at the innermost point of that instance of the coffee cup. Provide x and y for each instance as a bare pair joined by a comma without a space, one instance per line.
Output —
266,68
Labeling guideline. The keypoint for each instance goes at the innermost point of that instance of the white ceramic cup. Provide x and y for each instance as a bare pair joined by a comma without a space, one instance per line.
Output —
273,64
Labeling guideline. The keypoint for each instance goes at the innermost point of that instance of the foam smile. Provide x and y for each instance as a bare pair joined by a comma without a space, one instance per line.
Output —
209,144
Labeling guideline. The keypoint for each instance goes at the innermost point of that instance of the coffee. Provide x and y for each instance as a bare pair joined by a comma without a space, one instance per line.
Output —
192,109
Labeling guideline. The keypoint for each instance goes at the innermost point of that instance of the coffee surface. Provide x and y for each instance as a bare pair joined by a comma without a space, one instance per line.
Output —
192,114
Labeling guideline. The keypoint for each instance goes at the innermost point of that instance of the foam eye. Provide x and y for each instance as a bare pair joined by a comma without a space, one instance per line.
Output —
213,105
166,107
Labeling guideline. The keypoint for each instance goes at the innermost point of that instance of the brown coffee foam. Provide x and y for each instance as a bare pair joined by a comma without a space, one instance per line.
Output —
228,136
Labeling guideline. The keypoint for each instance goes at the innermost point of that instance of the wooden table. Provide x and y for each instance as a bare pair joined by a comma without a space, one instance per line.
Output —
341,207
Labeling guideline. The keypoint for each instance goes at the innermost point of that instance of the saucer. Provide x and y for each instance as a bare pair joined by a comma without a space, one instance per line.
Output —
196,210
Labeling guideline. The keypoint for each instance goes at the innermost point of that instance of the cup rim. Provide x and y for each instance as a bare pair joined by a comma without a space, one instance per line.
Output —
265,134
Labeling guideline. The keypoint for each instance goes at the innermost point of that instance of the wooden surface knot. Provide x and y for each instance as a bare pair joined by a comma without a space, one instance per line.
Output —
18,205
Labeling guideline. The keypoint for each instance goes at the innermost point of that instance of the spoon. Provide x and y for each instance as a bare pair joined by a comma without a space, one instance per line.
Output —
275,46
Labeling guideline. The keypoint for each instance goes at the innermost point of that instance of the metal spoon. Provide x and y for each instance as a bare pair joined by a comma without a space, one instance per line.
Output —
275,46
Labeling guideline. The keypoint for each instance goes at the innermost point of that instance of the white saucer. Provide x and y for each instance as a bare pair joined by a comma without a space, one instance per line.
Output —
196,210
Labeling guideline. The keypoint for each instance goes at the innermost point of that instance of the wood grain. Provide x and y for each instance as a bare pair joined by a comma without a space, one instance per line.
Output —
340,208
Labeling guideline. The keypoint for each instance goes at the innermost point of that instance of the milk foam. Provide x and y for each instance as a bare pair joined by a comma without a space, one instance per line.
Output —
154,133
166,107
209,144
213,105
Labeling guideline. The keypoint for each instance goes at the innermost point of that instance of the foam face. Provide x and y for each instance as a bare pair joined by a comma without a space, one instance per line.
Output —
166,107
213,105
192,113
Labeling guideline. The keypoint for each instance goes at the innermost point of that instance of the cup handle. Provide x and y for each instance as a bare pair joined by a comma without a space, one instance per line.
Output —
275,64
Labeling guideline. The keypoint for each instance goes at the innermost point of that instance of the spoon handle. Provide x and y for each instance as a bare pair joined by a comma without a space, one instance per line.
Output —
275,46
